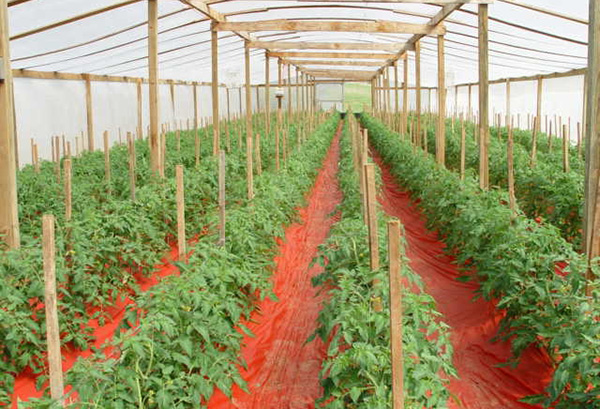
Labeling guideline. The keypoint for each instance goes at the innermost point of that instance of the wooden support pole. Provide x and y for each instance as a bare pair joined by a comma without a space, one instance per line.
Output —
579,140
511,171
591,225
484,177
221,197
57,156
395,277
396,97
89,113
51,306
131,150
540,87
440,146
470,104
418,90
508,114
181,240
289,87
153,87
534,135
68,189
405,96
258,154
566,144
140,126
249,166
463,147
215,88
267,94
373,95
372,214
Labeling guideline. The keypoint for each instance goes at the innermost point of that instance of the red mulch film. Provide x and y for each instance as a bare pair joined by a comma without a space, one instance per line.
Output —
25,382
283,370
481,384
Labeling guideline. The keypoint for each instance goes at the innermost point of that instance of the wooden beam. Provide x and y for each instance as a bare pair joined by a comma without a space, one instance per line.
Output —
306,63
591,225
484,178
9,215
214,42
438,2
440,148
379,26
267,94
405,97
297,54
153,85
304,45
418,85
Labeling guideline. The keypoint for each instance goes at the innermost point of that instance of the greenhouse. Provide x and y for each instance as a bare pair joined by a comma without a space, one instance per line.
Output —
300,204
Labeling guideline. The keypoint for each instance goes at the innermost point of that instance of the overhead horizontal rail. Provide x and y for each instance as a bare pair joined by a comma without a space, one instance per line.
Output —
50,75
299,54
378,26
302,63
573,73
303,45
545,11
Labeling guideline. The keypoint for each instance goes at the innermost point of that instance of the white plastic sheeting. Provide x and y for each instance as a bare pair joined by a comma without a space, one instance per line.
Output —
115,43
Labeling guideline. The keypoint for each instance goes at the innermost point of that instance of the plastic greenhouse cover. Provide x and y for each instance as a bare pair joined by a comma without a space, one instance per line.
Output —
115,43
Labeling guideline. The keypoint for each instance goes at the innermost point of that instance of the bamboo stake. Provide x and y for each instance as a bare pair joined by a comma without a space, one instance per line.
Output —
50,302
395,277
181,243
221,198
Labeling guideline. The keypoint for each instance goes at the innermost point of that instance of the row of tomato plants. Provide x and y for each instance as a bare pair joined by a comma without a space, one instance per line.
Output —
357,371
516,261
545,192
181,340
101,250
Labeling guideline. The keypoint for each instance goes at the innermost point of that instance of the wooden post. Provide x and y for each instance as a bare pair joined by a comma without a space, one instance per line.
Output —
405,96
57,156
463,148
372,214
579,140
89,113
534,142
566,144
440,145
50,303
373,95
511,171
140,126
163,154
131,149
153,86
249,170
395,271
484,178
181,241
289,87
540,86
106,157
418,90
68,150
258,155
396,96
470,104
214,41
68,189
221,198
267,94
508,115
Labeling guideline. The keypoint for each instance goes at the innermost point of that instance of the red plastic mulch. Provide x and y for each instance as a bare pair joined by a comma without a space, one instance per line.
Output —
481,384
283,370
25,382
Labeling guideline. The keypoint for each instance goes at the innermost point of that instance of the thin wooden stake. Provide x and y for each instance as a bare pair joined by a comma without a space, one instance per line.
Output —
131,147
50,303
258,156
181,242
106,158
565,149
395,271
36,164
221,198
511,171
534,142
68,189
